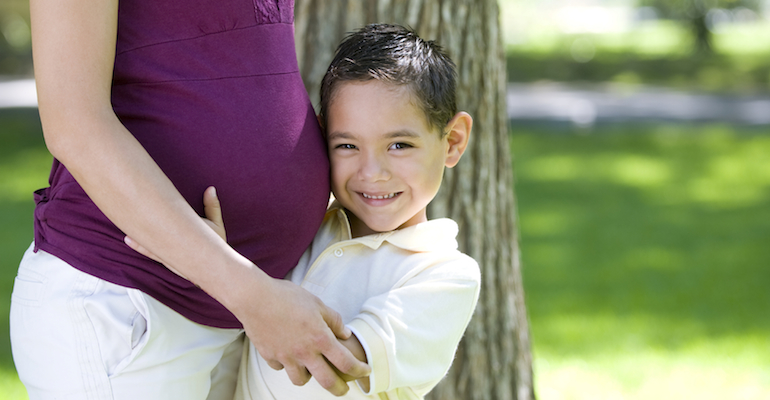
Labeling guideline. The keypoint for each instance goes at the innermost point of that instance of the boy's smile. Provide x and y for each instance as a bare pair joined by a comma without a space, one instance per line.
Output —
387,162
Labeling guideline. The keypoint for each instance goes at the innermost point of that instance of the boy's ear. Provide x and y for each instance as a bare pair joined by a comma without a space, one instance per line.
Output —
458,132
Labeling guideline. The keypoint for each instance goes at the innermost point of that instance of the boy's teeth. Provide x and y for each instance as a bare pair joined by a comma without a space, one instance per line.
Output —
387,196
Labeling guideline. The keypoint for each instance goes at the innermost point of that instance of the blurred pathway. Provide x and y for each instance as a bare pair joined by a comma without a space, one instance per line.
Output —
586,105
579,105
18,93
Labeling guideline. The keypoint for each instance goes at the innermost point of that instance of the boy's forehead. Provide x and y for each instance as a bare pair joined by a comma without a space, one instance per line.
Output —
374,87
372,110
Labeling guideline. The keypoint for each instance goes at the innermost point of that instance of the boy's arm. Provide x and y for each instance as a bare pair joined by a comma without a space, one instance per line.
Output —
411,333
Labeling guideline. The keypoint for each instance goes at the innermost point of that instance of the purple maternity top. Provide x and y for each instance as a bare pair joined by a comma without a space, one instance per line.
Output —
212,90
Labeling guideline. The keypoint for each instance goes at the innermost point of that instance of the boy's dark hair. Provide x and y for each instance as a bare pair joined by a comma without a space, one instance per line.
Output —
395,55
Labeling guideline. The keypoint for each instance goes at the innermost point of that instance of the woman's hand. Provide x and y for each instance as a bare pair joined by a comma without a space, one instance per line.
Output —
322,350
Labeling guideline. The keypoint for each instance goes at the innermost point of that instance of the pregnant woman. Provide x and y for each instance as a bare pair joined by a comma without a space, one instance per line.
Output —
144,104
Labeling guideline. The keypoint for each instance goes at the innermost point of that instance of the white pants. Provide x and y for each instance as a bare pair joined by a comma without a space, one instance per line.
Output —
75,336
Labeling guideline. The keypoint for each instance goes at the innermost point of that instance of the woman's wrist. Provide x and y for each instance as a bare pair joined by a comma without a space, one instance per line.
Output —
236,284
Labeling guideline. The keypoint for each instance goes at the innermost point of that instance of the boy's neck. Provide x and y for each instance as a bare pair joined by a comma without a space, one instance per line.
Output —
359,228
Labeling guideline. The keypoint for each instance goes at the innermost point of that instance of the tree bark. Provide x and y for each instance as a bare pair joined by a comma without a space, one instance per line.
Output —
494,360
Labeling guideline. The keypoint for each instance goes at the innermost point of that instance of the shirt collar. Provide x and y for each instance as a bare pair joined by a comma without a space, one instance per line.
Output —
433,235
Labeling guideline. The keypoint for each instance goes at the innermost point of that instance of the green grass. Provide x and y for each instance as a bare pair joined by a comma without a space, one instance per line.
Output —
645,260
644,249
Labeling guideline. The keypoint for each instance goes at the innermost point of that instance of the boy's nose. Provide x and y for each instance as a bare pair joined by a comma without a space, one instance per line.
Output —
373,168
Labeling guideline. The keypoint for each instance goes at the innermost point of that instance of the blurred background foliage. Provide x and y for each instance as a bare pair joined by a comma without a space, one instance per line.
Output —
710,45
643,243
15,43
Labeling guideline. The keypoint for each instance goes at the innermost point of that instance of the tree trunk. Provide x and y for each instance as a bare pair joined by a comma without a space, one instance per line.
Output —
701,33
494,360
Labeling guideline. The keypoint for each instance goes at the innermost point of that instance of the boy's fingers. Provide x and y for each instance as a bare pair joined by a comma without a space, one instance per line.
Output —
140,249
213,212
211,208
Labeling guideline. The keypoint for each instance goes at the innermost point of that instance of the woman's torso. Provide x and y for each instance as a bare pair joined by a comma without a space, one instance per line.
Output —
212,90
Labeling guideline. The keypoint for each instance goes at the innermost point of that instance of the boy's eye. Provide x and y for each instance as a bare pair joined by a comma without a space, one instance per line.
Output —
399,146
345,146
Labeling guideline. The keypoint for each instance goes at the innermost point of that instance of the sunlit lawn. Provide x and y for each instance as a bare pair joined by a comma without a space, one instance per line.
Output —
646,260
644,249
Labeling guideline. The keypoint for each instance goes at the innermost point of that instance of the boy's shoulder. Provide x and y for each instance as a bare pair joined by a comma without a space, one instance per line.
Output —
433,235
427,249
434,243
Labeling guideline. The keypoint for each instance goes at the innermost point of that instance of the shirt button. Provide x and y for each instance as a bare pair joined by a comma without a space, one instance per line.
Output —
338,253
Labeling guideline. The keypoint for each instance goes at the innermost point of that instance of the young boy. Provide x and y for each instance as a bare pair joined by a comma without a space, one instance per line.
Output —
396,278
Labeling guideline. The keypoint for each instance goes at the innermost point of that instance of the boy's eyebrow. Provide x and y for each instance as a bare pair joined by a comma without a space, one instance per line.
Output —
390,135
339,135
404,133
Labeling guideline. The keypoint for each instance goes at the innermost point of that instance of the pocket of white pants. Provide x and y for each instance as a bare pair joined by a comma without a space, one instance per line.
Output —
119,323
140,331
28,289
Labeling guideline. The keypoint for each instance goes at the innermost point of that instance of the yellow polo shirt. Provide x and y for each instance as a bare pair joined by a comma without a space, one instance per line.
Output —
407,295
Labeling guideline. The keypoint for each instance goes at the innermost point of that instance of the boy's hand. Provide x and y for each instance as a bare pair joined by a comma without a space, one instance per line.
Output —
213,212
213,218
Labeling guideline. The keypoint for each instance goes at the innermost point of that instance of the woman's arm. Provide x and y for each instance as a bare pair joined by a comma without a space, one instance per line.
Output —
212,210
74,50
